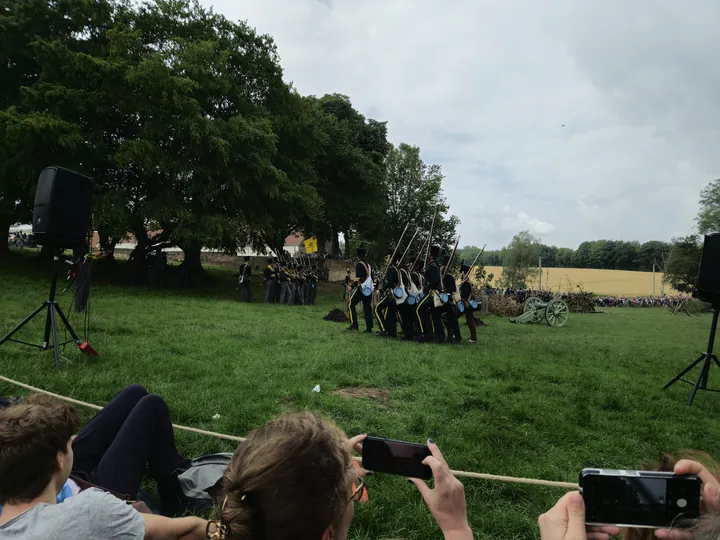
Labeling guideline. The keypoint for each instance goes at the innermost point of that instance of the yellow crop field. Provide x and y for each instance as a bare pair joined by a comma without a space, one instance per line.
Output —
601,282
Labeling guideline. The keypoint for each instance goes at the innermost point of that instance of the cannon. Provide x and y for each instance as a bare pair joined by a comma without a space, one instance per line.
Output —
555,312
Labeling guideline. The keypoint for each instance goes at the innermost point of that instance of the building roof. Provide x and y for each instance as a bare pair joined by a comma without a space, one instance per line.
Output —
294,240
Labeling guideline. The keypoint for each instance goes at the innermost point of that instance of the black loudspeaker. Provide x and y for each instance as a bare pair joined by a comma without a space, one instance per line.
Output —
63,208
707,286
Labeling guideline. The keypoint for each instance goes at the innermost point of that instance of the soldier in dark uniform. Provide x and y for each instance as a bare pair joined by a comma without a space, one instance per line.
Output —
466,295
269,281
246,285
406,311
285,289
386,308
362,273
421,317
448,309
312,285
431,289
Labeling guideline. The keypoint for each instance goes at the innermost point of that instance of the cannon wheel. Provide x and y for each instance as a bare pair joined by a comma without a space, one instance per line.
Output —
531,304
556,313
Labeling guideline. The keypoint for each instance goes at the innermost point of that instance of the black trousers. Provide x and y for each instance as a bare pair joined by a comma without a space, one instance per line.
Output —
407,319
426,320
246,290
132,431
270,291
386,313
312,293
356,296
451,321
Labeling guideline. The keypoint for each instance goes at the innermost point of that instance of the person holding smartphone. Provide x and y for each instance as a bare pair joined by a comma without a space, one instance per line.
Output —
566,520
294,478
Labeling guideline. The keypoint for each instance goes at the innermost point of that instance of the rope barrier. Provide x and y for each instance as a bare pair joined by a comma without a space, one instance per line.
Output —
464,474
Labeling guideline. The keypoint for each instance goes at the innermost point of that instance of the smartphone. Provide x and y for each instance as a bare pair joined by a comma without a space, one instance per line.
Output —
640,498
396,457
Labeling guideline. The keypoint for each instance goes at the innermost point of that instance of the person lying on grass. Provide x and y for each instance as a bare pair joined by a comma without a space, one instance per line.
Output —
293,479
114,449
566,520
36,457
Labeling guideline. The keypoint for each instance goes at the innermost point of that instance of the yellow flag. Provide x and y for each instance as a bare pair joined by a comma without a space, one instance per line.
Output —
310,245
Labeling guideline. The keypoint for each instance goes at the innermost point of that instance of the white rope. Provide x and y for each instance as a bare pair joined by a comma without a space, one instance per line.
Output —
465,474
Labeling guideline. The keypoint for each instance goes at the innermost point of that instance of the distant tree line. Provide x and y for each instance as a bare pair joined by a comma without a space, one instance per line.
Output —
602,254
194,139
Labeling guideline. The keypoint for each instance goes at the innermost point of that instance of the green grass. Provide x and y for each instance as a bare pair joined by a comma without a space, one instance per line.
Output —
526,401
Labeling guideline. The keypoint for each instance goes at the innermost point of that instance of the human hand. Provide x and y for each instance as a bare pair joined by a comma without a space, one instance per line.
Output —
710,496
566,521
354,445
447,501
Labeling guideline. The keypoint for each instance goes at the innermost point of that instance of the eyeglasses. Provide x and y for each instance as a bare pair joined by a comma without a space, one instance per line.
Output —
358,491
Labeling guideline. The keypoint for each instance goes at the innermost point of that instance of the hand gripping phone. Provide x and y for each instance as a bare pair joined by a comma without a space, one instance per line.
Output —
396,457
640,498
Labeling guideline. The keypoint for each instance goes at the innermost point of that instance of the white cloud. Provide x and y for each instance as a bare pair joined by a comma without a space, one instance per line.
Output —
484,87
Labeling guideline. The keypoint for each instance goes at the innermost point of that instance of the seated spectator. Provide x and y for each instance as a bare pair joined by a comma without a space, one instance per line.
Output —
36,458
566,520
294,478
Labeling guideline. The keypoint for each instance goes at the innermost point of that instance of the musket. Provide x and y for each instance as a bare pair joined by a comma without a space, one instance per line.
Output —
452,255
396,248
417,258
417,230
467,276
427,252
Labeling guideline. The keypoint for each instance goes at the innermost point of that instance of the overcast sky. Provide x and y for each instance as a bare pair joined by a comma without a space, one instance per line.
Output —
575,119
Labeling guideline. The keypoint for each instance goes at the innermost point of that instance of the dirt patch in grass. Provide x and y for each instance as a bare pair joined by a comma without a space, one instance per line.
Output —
370,393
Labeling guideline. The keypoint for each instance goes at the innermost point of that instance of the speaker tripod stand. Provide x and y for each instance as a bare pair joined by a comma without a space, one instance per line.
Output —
51,324
706,359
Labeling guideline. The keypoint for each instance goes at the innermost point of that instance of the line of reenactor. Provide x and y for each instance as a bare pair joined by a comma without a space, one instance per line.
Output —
425,301
292,284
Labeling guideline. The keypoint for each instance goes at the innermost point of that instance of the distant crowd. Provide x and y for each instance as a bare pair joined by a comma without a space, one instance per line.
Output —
520,295
641,301
21,240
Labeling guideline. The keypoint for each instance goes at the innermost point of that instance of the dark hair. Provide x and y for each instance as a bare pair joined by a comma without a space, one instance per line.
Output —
31,435
291,479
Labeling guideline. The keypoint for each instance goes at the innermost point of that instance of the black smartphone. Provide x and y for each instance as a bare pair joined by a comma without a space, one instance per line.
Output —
640,498
396,457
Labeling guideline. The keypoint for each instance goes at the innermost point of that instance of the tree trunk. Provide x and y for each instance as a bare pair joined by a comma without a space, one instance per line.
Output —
138,257
107,245
4,226
193,272
348,241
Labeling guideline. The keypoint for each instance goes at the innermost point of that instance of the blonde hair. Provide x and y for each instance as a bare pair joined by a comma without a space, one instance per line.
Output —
290,480
667,463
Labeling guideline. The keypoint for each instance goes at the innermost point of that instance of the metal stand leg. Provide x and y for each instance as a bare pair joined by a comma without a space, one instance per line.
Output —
56,350
25,321
706,358
53,311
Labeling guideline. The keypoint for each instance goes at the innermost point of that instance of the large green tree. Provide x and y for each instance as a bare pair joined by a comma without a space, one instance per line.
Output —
351,174
32,138
708,218
520,258
682,266
415,196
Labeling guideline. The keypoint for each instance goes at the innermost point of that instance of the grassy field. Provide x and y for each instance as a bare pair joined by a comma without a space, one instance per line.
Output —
526,401
601,282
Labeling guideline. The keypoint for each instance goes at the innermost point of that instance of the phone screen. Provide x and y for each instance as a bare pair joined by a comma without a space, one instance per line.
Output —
396,457
644,501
